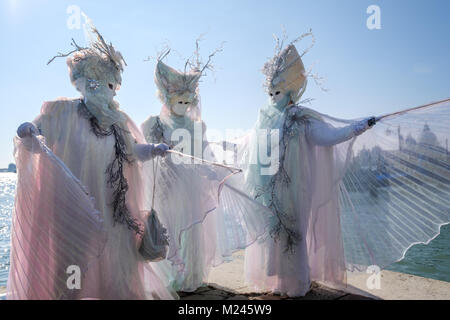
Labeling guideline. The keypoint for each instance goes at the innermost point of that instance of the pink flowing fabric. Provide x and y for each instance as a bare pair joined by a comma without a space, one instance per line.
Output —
56,223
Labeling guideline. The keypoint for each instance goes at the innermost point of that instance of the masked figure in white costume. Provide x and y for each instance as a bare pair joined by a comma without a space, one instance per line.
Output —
209,234
180,126
79,206
320,228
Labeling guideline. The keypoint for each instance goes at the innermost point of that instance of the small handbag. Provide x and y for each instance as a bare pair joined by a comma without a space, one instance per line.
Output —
155,241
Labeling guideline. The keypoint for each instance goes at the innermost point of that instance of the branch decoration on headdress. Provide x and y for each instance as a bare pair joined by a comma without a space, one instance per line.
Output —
286,67
172,82
99,60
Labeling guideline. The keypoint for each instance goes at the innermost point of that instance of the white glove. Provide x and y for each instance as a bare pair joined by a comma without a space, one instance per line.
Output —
27,129
145,152
361,126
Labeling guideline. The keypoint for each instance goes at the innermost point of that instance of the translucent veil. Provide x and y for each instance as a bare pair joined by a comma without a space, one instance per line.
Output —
396,190
54,225
369,199
372,197
179,179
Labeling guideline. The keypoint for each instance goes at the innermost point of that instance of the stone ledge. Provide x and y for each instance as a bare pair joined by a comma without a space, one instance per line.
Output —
226,282
217,292
393,285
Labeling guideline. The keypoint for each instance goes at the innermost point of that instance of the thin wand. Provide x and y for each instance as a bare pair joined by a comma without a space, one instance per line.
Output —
217,164
412,109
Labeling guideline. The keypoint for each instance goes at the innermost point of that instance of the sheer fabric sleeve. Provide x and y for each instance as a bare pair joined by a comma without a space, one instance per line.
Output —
324,134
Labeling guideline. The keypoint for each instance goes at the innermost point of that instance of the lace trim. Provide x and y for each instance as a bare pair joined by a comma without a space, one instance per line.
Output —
116,178
284,221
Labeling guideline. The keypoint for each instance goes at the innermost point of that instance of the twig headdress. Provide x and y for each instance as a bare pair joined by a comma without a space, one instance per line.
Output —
100,61
285,70
172,82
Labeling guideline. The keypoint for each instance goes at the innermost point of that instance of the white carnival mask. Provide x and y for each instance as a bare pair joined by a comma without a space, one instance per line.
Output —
276,95
99,99
179,104
178,90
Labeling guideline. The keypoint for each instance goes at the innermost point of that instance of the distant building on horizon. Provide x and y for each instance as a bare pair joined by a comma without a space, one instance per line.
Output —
416,157
11,168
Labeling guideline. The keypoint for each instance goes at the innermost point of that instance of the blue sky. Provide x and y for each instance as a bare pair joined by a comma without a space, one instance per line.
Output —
368,72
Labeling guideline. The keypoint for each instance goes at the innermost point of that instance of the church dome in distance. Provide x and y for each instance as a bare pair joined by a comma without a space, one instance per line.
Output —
428,137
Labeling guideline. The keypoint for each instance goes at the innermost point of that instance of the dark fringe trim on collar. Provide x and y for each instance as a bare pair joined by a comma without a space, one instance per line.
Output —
114,171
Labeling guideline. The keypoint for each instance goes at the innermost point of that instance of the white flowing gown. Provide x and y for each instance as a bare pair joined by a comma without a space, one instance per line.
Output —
353,201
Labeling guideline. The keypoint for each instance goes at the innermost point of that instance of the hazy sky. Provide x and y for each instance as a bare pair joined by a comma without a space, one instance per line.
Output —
369,72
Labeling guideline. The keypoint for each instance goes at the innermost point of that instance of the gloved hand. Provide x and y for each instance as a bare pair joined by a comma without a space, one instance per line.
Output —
361,126
27,129
145,152
160,149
